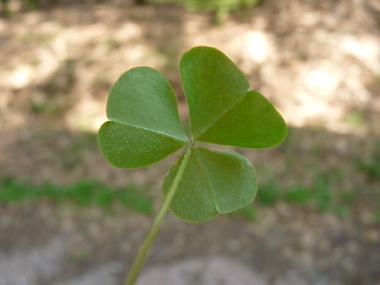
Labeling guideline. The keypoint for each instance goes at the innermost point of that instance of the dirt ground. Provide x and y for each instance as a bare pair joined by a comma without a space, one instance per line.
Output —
318,61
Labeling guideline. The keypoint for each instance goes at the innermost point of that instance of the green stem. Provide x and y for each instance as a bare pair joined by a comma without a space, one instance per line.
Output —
137,264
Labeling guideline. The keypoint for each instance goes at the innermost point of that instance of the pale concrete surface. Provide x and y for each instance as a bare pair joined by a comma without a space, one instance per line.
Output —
103,275
202,271
22,267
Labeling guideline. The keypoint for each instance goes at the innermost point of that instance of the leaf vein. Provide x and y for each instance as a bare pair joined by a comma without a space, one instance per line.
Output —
208,184
150,130
223,113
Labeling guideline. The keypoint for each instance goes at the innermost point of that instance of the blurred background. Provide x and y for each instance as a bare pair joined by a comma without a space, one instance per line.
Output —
68,217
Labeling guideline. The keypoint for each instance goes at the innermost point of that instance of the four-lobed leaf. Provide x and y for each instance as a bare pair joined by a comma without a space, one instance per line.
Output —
144,128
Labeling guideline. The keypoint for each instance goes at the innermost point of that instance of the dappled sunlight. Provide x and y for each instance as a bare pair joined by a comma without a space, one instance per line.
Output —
87,115
314,78
318,85
365,48
100,53
323,79
21,77
61,64
128,32
257,46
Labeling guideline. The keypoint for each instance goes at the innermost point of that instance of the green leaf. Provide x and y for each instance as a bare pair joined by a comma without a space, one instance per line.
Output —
213,182
142,97
212,84
221,109
193,201
130,147
145,126
252,122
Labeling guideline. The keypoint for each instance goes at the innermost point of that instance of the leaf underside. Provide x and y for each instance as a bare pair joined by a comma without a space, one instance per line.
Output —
252,122
212,83
144,124
143,97
145,127
130,147
213,182
222,110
